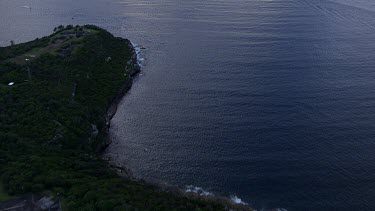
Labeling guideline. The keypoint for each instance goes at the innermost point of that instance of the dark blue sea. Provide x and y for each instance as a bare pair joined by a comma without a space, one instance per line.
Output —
270,102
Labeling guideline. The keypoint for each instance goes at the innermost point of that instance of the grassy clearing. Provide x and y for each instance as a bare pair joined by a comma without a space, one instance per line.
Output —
56,42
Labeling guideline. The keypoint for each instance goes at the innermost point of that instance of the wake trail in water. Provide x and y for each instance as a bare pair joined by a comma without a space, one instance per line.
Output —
342,12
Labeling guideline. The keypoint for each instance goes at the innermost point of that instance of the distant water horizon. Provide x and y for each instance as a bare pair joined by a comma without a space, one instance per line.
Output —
269,102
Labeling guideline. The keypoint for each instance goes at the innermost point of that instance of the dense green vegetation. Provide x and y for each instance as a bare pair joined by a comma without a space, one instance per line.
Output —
3,195
63,85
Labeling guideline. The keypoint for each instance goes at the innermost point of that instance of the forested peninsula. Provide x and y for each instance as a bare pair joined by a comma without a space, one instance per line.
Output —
57,96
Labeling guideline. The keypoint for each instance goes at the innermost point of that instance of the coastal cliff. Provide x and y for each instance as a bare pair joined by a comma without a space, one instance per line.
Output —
132,69
57,96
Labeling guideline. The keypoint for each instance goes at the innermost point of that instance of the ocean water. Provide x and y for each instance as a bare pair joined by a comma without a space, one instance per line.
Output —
269,102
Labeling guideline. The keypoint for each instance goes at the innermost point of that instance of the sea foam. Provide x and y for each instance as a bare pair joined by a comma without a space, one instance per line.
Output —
138,48
197,190
237,200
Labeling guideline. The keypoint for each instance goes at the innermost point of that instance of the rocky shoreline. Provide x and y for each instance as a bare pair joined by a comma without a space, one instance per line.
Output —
132,68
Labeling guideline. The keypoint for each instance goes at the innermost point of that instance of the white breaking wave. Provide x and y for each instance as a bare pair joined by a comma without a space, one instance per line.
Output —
138,48
237,200
197,190
201,192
